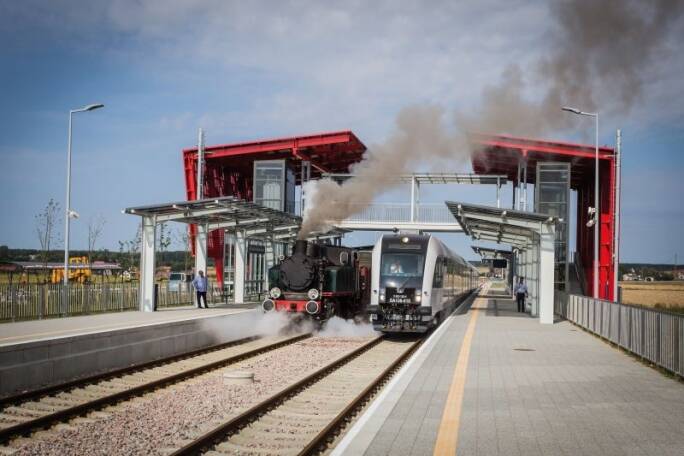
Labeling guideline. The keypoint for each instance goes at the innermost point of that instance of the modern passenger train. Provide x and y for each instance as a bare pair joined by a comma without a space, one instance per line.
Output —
416,281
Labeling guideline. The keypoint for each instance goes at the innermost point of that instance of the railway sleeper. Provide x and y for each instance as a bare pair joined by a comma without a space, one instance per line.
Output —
41,406
21,411
250,449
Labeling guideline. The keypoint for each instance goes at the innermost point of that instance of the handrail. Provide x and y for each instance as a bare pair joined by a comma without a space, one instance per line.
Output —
652,334
401,212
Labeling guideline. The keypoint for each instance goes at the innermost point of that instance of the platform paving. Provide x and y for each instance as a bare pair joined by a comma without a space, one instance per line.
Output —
530,389
34,330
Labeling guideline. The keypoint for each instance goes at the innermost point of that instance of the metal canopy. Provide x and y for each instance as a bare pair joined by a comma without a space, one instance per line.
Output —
437,178
532,237
507,226
491,253
228,212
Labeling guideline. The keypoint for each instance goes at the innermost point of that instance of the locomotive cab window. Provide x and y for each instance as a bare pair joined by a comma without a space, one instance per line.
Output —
402,264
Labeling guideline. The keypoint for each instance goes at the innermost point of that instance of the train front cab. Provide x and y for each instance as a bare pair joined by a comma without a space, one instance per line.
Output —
398,301
416,282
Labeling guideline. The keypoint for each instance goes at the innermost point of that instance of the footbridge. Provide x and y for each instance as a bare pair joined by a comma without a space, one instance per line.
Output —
413,215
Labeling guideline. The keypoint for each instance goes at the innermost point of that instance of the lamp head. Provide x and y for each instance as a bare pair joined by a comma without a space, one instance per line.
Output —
92,107
572,110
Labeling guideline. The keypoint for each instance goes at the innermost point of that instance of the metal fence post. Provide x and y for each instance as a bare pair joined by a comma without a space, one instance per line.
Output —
629,325
619,325
658,332
643,334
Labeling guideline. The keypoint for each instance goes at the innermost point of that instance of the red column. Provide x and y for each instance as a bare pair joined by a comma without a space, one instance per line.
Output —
607,234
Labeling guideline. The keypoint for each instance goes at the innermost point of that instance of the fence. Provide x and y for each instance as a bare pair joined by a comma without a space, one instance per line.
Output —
393,212
37,301
654,335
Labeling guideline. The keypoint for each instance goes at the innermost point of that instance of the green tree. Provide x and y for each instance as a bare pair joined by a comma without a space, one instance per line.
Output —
46,227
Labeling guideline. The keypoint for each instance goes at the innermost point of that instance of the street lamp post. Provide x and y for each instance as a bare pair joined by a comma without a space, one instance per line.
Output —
596,195
69,213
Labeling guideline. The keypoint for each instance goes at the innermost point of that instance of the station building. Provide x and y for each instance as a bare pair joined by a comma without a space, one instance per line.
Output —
243,208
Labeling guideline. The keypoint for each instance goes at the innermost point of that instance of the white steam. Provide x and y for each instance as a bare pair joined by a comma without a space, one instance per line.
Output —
338,327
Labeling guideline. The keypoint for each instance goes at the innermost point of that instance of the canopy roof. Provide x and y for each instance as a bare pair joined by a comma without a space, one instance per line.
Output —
489,253
507,226
228,212
500,154
331,152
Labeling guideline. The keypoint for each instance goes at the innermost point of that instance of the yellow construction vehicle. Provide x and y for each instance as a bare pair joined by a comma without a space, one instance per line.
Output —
79,271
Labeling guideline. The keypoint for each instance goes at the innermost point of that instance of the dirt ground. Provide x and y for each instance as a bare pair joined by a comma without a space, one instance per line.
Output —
662,295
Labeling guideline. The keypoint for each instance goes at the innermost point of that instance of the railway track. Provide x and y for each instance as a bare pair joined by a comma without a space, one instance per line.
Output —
305,417
28,412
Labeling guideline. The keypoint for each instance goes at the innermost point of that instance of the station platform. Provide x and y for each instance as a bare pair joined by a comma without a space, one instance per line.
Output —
40,353
496,382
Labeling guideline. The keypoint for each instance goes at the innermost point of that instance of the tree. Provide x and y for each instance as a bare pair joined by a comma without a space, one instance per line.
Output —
95,228
163,240
46,226
183,238
128,250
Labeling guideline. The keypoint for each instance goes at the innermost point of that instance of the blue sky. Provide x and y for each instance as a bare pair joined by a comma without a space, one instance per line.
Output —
249,70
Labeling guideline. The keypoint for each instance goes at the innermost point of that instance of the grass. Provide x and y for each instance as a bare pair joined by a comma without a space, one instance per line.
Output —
659,295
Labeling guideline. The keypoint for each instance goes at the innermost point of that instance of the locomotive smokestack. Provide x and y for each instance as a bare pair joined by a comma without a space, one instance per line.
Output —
300,247
313,250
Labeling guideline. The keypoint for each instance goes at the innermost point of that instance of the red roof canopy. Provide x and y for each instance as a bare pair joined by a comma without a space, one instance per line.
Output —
499,154
331,152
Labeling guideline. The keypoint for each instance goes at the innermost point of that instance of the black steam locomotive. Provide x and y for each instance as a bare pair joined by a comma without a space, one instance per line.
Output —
320,281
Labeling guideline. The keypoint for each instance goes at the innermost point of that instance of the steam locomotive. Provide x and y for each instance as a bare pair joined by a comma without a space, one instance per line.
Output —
320,281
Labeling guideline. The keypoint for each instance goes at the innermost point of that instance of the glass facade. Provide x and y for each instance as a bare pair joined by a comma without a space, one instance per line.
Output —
552,197
274,185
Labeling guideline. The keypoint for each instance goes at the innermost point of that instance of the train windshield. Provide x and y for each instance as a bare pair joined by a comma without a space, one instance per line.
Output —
402,265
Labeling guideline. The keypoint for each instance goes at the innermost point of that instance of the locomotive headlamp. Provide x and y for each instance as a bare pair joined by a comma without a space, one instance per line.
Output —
267,305
275,292
405,239
313,294
417,297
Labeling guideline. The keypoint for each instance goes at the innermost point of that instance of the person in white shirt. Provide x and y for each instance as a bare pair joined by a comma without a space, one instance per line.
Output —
521,294
395,268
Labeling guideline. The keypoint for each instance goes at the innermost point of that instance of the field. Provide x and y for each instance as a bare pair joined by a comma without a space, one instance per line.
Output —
661,295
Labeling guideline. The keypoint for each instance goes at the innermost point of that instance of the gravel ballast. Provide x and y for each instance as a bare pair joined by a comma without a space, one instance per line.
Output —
163,421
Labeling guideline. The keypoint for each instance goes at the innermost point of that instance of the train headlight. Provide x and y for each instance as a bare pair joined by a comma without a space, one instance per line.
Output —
312,307
267,305
275,292
313,294
382,297
417,297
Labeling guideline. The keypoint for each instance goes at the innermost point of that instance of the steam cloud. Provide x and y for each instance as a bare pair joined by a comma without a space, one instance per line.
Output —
599,51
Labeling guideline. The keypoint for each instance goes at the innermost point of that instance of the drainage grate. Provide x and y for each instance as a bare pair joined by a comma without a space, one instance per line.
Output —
524,349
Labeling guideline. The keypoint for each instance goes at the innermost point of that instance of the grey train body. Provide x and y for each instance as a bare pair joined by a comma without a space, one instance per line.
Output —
416,281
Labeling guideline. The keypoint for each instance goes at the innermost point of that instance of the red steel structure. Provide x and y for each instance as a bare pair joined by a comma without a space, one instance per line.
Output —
229,169
498,154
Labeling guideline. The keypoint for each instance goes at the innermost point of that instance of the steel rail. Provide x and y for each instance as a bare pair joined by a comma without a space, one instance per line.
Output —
79,382
320,441
235,424
110,399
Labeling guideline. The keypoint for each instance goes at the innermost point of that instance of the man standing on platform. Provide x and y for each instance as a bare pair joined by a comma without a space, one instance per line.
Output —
521,294
200,283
